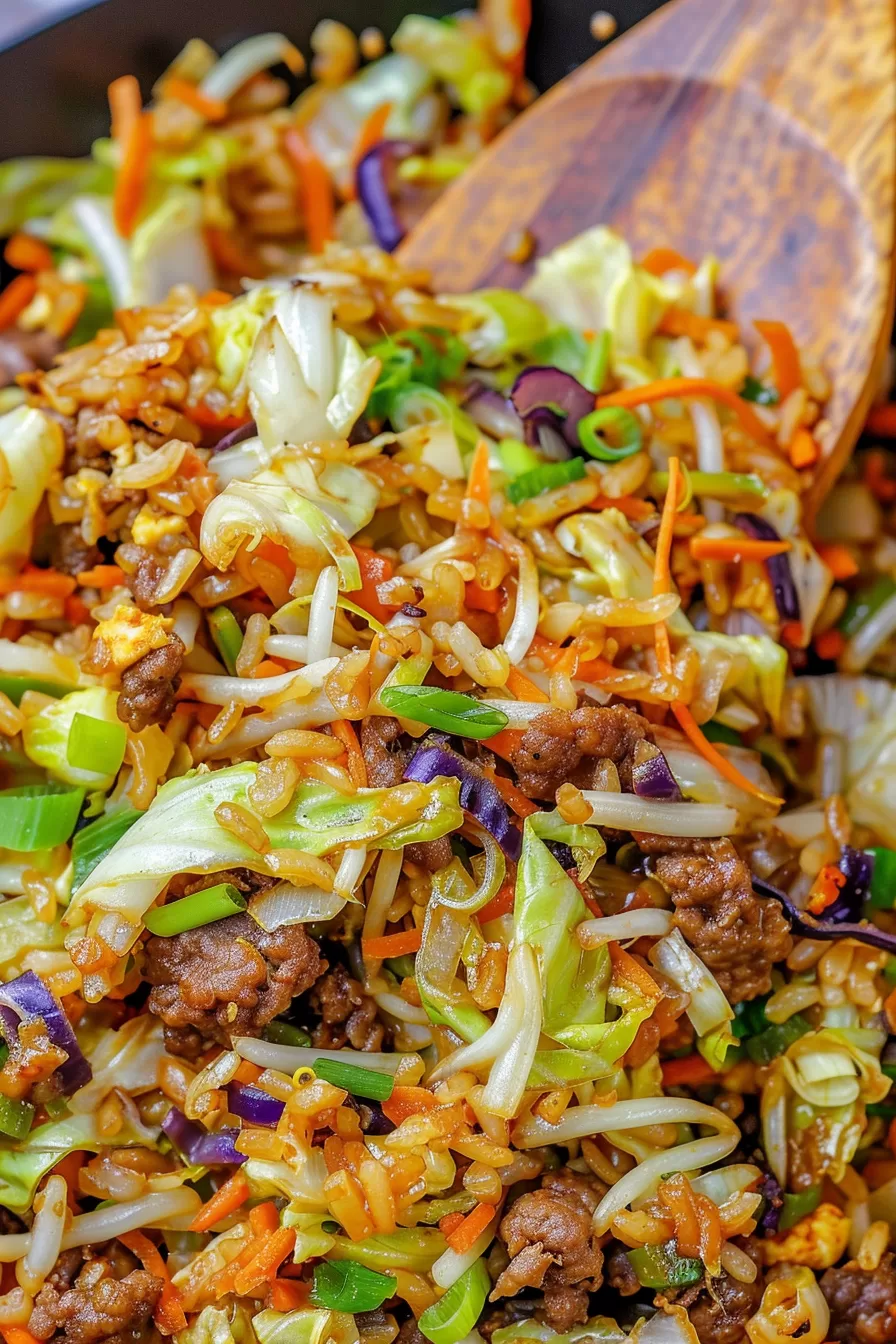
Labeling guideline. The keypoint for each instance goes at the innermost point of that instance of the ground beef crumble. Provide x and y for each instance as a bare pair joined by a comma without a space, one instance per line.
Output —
386,760
861,1301
563,746
227,979
149,685
90,1298
548,1235
739,935
719,1308
70,553
348,1016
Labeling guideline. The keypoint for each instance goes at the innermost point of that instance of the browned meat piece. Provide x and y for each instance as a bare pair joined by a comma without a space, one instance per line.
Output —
620,1275
9,1223
229,978
386,765
860,1301
562,745
347,1014
549,1238
738,934
148,686
99,1307
144,581
25,351
70,553
720,1317
410,1333
66,1269
509,1313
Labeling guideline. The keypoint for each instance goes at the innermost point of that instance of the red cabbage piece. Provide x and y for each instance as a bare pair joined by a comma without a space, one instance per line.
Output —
199,1147
544,388
652,778
492,412
477,794
826,929
777,566
771,1192
27,998
246,431
372,183
252,1104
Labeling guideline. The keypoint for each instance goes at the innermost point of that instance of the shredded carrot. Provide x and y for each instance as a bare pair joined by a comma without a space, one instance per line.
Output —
370,134
216,298
227,1198
482,599
732,549
169,1313
375,569
829,645
25,253
882,420
628,505
689,726
499,905
505,743
270,1253
17,1334
268,668
710,1225
659,260
315,189
392,944
518,684
475,1223
479,486
46,581
785,356
515,800
662,575
213,109
450,1222
675,1195
679,322
357,767
15,299
839,559
829,882
230,256
289,1295
264,1218
247,1073
792,634
406,1101
133,173
690,1071
101,576
664,388
125,106
625,967
803,450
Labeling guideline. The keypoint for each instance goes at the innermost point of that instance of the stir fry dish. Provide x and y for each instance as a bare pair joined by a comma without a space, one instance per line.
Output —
448,781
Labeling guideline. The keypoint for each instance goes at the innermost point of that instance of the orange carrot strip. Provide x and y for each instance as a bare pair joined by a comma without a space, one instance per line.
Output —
475,1223
732,549
213,109
676,1195
829,645
662,576
792,634
785,356
628,505
229,255
392,944
692,1070
25,253
479,486
17,1334
357,766
691,387
689,726
659,260
133,172
289,1295
370,134
882,420
315,189
679,322
46,581
482,599
273,1250
226,1199
406,1101
518,684
827,886
803,450
450,1222
125,106
14,300
499,905
101,576
625,967
247,1073
169,1313
264,1218
375,569
505,743
839,559
515,800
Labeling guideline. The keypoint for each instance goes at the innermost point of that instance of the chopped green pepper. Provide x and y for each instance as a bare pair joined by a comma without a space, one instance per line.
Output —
777,1038
882,892
863,604
797,1206
663,1267
720,732
757,392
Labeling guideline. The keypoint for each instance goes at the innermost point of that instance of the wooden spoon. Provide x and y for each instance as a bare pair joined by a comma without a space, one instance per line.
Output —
763,131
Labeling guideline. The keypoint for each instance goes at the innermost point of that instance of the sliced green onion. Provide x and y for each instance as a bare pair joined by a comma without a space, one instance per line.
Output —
623,425
862,605
15,687
225,631
662,1266
757,392
92,843
549,476
454,1315
597,361
889,1070
368,1083
882,892
724,485
402,967
797,1206
449,710
882,1109
720,732
38,816
517,457
284,1033
192,912
344,1285
777,1038
749,1017
56,1108
96,744
15,1117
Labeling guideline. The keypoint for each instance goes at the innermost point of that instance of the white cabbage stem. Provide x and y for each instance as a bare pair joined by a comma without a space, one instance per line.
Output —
288,1058
628,813
155,1210
322,614
630,924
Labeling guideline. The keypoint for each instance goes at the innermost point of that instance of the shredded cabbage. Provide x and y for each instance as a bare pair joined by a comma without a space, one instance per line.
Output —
31,449
23,1164
21,932
760,670
622,561
507,324
219,1325
457,56
305,1327
45,734
33,188
168,249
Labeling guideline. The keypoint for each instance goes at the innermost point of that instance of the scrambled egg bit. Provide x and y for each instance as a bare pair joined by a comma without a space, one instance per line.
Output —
816,1241
125,638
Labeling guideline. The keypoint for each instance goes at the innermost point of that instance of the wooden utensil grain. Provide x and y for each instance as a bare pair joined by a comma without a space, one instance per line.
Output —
761,130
